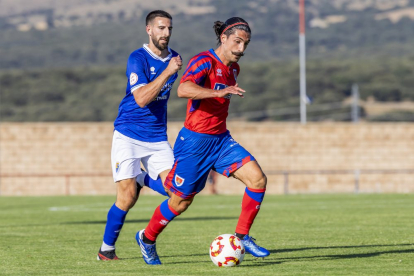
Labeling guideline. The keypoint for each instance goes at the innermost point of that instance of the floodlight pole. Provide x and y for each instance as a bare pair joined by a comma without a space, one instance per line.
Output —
355,108
302,57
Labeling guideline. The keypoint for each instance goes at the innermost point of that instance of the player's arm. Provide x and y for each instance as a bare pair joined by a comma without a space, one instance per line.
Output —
191,90
146,94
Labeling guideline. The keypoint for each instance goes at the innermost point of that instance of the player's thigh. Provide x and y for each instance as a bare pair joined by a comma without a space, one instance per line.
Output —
188,176
236,161
251,175
125,158
160,161
164,175
231,158
194,158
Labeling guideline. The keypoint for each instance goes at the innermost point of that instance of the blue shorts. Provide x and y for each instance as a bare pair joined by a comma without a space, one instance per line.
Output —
195,154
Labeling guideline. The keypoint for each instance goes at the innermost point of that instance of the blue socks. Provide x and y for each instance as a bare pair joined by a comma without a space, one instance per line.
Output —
155,185
114,223
116,216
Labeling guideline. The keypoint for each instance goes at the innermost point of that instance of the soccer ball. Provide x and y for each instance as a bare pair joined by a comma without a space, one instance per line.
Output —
227,250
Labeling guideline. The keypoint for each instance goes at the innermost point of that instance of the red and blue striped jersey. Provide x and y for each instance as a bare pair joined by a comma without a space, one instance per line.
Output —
207,70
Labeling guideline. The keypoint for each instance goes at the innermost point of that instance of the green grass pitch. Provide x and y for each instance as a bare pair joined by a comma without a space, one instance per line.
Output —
306,234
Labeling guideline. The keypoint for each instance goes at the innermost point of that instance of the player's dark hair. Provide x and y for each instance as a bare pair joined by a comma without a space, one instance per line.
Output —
230,26
156,13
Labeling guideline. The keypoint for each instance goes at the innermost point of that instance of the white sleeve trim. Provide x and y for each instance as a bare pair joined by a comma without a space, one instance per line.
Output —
137,86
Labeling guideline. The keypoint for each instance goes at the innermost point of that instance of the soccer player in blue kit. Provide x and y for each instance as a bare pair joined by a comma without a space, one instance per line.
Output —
204,143
140,128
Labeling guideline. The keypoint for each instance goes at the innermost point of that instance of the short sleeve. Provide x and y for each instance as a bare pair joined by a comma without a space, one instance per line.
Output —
197,70
136,72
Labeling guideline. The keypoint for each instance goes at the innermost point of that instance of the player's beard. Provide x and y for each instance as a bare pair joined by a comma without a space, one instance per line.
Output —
158,45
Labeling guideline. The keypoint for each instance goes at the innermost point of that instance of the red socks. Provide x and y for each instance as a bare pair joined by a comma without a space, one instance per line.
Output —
160,219
252,200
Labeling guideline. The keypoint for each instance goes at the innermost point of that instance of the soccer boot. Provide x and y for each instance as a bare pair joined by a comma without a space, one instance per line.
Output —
252,248
107,255
149,252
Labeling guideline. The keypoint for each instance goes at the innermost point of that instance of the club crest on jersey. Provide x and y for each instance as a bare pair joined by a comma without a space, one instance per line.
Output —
153,70
179,180
133,78
219,73
235,74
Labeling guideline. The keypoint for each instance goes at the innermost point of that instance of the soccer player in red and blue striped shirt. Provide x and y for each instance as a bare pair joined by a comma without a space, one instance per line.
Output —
205,144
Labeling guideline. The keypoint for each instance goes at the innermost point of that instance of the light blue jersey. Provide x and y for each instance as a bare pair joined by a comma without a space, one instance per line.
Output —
147,124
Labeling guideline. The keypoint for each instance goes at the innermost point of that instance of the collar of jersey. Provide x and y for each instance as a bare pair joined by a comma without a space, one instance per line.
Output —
146,48
216,56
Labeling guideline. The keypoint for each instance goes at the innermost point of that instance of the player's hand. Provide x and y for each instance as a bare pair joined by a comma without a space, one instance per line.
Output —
174,65
235,90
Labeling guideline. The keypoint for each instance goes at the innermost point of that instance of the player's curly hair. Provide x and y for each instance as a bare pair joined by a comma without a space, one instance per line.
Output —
230,26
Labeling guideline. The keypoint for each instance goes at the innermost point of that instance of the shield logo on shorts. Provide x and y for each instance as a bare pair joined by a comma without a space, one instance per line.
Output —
179,180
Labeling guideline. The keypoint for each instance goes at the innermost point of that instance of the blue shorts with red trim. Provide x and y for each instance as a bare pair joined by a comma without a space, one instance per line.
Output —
196,154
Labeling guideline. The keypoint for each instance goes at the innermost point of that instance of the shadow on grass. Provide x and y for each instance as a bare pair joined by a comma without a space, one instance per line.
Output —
163,259
104,221
337,247
147,220
273,259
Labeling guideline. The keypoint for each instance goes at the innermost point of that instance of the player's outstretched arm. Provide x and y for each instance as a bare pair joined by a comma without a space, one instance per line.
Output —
146,94
190,90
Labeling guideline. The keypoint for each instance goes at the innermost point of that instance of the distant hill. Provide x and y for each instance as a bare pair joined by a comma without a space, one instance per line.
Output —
48,33
65,60
94,93
65,13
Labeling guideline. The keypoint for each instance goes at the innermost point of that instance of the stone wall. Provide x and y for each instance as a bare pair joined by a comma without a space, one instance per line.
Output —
74,158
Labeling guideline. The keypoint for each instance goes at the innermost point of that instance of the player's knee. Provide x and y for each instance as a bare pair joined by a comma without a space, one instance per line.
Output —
180,206
126,198
183,206
259,182
126,202
262,183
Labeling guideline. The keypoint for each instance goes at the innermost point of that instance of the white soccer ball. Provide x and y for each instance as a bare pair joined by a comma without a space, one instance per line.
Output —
227,250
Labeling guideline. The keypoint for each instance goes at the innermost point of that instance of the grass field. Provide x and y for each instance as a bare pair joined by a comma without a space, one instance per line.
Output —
306,234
